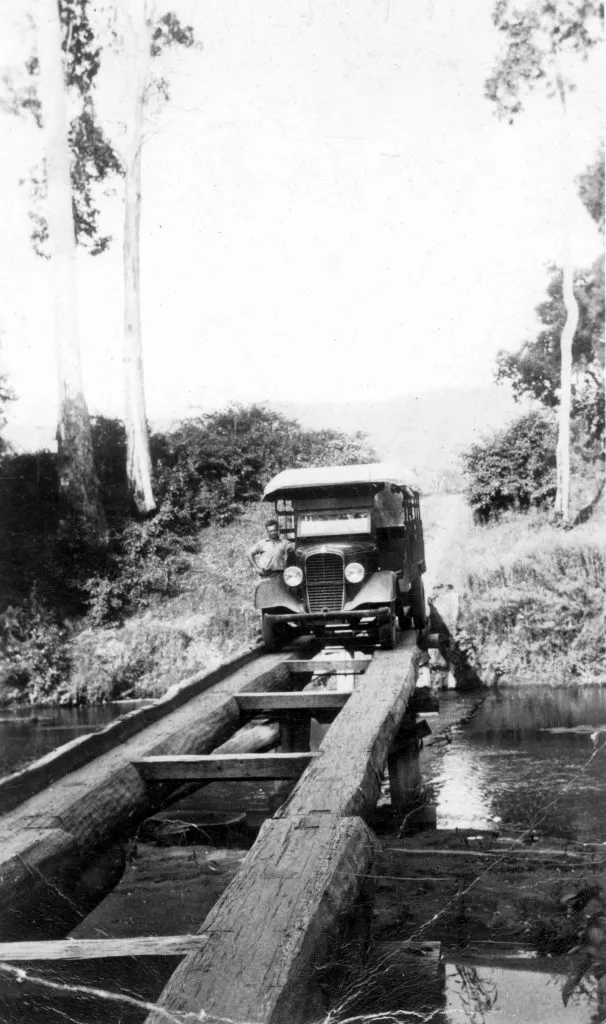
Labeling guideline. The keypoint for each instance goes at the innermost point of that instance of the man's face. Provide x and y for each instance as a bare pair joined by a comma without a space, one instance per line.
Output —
272,532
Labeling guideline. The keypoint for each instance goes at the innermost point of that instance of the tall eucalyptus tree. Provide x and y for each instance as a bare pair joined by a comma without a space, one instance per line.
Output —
542,41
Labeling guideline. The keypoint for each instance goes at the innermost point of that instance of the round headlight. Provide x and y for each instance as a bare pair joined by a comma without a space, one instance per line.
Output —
292,576
354,572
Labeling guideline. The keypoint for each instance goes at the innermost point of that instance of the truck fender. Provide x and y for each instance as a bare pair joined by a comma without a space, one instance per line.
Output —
273,593
380,588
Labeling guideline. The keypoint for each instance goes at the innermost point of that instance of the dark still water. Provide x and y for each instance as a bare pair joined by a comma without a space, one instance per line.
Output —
29,733
528,758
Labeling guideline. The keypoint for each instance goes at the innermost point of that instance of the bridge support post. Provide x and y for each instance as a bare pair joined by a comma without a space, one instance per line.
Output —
295,733
404,762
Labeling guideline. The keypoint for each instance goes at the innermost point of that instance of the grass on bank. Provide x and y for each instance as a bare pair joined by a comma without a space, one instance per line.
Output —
203,617
211,618
533,601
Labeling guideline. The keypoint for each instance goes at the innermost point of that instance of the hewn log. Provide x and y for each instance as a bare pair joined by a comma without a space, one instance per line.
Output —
346,779
310,700
316,666
101,949
502,958
212,768
527,856
404,773
274,926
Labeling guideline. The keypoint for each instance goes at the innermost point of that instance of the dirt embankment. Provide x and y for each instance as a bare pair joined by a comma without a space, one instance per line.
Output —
531,595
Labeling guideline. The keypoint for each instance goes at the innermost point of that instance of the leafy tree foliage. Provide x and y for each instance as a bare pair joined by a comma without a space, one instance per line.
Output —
206,470
542,42
535,369
591,188
513,469
94,160
539,40
209,468
6,395
93,157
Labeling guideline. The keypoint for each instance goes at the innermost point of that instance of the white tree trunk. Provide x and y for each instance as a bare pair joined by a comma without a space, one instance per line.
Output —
78,483
562,500
137,439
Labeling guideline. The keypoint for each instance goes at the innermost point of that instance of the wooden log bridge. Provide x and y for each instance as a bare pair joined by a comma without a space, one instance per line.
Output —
274,925
256,956
52,837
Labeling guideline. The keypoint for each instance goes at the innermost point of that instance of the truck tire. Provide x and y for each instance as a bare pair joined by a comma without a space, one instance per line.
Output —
404,617
271,633
417,603
388,635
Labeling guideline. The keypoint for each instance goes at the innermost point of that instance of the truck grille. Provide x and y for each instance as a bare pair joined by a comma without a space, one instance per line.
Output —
324,575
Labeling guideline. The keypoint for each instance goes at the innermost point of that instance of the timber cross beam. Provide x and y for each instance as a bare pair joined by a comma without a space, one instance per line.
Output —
222,767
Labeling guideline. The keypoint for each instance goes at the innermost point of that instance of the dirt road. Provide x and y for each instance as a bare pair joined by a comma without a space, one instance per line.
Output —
446,525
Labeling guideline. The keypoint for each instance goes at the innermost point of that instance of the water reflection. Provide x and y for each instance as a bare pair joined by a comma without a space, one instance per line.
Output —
528,759
29,733
463,795
487,995
402,988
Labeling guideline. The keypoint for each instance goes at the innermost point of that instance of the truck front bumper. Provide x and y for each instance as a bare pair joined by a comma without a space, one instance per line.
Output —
321,623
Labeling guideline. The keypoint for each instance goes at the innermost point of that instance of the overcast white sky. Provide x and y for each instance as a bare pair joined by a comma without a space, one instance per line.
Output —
331,210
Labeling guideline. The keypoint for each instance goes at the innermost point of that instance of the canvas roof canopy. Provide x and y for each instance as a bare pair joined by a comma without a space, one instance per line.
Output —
285,484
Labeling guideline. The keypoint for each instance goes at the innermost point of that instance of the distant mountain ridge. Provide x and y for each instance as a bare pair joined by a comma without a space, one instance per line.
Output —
425,432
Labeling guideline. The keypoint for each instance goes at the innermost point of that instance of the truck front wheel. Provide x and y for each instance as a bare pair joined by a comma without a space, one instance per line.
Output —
388,635
272,634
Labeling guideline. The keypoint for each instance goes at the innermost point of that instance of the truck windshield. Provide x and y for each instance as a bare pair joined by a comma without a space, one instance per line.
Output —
331,524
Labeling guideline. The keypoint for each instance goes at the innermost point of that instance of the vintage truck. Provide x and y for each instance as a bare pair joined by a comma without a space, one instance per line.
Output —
355,568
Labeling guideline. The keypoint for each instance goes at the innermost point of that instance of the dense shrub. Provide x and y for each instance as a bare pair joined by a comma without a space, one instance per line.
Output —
513,469
206,472
33,654
209,468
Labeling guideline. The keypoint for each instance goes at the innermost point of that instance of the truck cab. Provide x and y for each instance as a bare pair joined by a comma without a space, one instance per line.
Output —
357,559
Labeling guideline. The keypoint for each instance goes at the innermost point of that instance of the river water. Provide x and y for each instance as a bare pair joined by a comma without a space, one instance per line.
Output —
527,758
531,758
520,761
29,733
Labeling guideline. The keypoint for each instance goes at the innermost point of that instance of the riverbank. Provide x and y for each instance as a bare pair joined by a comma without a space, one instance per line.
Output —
531,606
532,601
208,619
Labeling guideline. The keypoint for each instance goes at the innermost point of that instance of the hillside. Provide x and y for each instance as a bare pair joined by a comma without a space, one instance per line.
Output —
424,431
